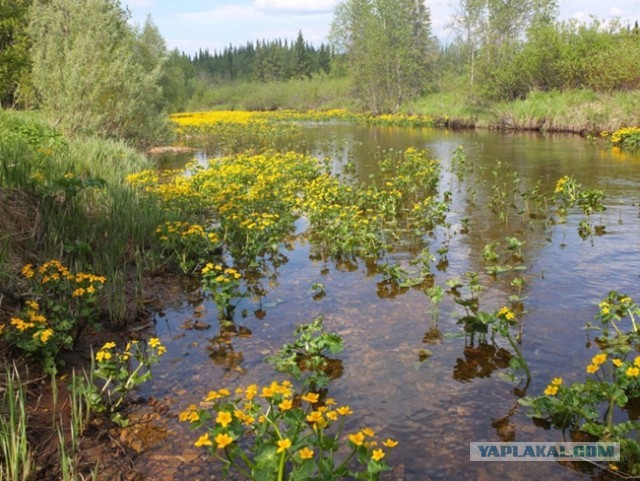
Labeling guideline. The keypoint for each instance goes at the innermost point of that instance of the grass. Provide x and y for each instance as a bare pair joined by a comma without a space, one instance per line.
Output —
17,462
581,111
67,198
318,93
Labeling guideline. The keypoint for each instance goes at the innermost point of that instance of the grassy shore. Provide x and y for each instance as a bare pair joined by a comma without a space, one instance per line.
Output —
578,111
67,198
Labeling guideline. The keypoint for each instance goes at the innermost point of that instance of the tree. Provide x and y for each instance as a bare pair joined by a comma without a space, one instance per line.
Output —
14,48
389,46
96,74
301,59
492,30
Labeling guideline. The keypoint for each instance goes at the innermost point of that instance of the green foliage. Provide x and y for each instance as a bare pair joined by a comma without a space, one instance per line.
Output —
93,73
595,406
78,199
16,462
627,138
121,370
319,92
273,434
14,50
306,359
63,303
223,283
390,49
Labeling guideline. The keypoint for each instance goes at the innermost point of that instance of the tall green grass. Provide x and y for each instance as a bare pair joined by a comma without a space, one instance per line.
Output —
75,193
568,111
16,463
318,93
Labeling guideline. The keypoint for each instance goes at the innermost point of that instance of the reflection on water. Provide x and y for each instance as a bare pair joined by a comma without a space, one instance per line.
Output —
434,403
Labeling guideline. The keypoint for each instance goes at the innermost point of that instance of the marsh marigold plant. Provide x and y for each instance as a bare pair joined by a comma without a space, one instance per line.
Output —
269,432
61,304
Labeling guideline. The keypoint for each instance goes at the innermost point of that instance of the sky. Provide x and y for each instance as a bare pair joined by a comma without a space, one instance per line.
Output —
189,25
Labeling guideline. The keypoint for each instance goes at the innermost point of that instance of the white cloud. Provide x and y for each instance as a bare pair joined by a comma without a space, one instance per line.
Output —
295,6
616,12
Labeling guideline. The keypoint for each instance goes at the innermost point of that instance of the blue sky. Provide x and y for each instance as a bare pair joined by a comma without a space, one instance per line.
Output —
192,24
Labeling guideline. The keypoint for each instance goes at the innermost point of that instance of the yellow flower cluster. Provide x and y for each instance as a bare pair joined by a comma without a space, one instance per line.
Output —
506,314
177,230
109,353
621,135
552,388
235,415
596,362
223,275
54,272
561,184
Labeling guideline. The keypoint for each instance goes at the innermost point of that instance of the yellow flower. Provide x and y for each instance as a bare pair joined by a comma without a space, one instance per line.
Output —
212,396
357,438
315,417
267,392
224,392
556,381
108,345
44,335
390,443
203,441
311,397
285,405
32,305
27,271
636,361
79,292
103,356
633,372
332,415
368,432
283,445
599,359
306,453
618,362
251,391
551,390
224,418
506,313
155,342
592,368
344,411
330,402
377,455
190,414
222,440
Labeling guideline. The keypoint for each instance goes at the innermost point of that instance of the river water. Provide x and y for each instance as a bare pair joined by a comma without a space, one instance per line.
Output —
433,406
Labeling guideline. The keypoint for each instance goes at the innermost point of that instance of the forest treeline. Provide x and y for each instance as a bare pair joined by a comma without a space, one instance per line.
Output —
84,64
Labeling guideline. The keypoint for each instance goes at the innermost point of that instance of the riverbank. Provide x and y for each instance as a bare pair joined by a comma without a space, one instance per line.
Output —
574,111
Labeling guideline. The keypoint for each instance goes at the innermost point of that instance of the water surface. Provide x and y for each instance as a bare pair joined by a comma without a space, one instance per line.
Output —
433,407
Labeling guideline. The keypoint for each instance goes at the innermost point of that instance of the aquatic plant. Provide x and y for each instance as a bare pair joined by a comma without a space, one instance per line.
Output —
306,359
626,138
595,406
121,369
270,432
190,243
223,283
